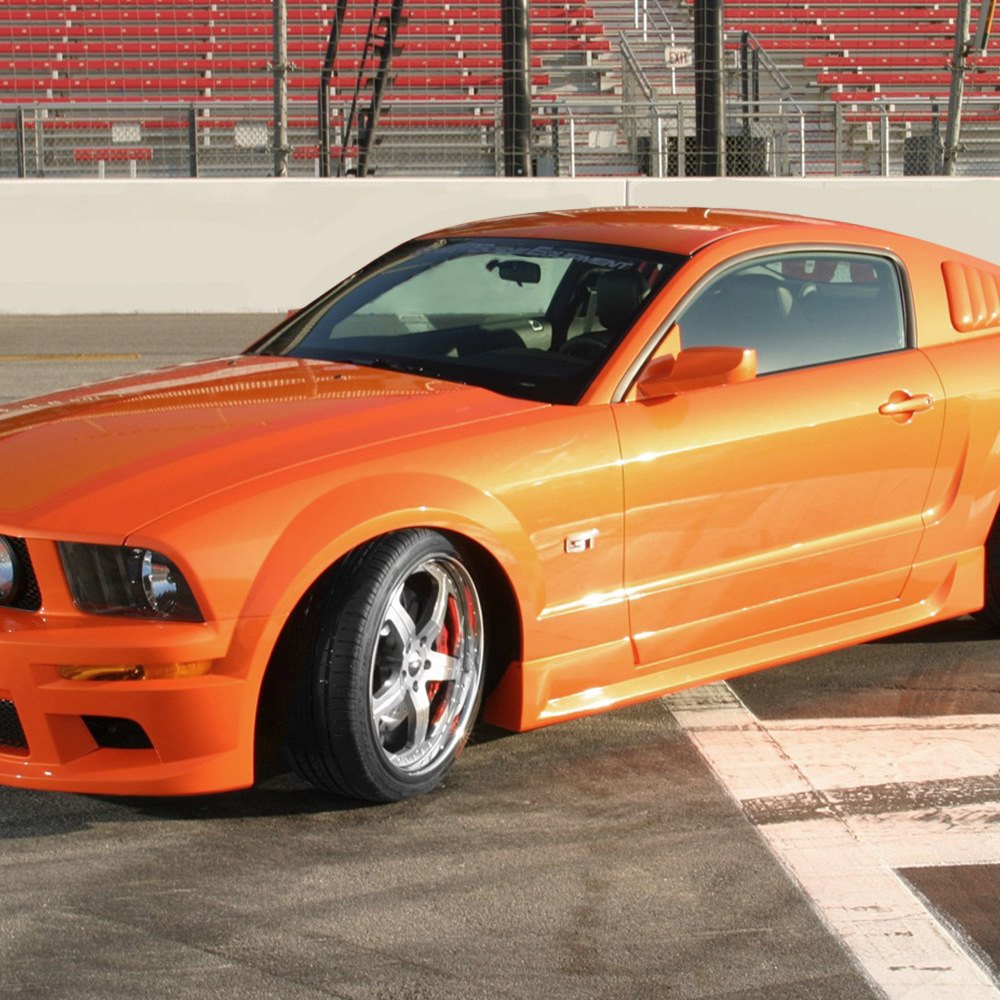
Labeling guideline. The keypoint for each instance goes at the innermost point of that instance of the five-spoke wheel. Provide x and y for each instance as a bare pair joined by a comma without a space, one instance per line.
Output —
395,674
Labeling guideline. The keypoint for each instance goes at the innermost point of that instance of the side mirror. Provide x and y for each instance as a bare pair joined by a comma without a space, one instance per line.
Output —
697,368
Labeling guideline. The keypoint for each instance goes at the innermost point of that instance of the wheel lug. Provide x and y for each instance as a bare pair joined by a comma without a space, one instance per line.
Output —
416,686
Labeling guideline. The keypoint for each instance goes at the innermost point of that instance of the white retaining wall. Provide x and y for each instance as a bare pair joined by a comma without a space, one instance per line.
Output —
247,245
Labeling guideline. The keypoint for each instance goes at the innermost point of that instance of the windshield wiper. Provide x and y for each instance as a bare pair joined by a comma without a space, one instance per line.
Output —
389,362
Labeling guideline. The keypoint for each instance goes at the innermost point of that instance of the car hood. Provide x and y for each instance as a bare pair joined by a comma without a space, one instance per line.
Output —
98,462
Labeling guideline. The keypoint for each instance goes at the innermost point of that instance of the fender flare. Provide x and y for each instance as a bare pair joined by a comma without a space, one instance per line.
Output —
358,511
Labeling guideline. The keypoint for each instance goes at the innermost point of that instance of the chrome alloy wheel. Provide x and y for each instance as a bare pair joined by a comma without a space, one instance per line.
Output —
427,665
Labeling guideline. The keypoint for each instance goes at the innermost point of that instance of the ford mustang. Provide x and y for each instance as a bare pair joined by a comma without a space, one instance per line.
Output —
524,470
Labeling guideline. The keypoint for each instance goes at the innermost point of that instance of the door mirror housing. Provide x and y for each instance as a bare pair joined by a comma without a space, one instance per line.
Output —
697,368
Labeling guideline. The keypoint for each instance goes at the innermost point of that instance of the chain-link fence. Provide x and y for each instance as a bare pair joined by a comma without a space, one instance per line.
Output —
205,139
644,136
784,138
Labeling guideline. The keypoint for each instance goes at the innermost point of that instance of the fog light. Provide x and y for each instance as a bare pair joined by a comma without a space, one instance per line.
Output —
137,672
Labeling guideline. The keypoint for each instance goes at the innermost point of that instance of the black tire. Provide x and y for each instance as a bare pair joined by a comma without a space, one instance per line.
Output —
393,673
990,615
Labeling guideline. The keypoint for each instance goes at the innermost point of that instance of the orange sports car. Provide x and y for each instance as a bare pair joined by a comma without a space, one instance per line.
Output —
545,465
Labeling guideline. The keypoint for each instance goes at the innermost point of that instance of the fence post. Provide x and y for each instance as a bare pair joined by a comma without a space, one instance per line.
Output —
802,143
39,143
497,141
280,72
572,146
883,129
680,140
554,129
22,160
192,141
659,146
838,139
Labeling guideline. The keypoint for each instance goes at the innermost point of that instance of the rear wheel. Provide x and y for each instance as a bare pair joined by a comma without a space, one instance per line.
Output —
394,671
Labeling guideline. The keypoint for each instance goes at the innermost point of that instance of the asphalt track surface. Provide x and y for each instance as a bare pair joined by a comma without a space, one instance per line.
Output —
826,830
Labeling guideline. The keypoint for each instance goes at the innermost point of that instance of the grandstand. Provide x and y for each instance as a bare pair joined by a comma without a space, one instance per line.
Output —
174,87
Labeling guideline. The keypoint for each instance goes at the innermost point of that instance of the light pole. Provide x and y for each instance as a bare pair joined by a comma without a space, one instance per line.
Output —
280,70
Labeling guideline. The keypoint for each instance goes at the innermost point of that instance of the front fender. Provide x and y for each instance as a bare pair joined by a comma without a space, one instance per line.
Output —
355,512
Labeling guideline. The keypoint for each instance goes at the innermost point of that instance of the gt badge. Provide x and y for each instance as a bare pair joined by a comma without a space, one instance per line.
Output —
581,540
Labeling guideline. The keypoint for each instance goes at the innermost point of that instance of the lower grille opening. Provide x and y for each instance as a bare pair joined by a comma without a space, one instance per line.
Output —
12,738
111,733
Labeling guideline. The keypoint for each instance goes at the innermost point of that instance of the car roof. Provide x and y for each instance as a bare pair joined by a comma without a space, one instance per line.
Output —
674,230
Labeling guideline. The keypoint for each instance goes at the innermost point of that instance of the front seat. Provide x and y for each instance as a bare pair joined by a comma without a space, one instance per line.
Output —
618,296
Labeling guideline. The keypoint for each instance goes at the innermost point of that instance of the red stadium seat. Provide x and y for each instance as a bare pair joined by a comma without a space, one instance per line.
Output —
214,49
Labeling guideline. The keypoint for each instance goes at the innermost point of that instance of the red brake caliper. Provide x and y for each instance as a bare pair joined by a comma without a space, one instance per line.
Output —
447,643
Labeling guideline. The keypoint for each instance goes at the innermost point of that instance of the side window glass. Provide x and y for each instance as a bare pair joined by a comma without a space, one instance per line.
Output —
801,309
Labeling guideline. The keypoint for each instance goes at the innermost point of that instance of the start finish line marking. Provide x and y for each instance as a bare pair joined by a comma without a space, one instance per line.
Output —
69,357
845,803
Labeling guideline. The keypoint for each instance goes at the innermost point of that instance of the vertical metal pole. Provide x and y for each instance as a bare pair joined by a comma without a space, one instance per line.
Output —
497,142
192,141
659,146
681,145
838,139
514,34
554,131
958,68
709,99
572,146
22,160
745,79
673,68
802,144
883,127
937,164
280,69
39,129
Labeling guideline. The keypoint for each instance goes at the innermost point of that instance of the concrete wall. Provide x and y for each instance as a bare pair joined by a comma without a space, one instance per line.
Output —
123,246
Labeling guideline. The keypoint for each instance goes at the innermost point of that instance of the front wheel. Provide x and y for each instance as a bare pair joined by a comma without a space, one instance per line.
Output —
394,671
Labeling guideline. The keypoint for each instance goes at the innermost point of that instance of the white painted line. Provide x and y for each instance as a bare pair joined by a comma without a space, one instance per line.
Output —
958,835
814,772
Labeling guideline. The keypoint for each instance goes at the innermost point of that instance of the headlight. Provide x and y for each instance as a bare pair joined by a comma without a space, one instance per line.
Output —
116,580
8,573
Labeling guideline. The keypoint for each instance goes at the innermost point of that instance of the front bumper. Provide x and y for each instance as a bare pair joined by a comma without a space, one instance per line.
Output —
200,729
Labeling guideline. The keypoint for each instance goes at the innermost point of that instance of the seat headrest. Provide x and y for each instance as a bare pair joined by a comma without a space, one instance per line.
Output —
619,294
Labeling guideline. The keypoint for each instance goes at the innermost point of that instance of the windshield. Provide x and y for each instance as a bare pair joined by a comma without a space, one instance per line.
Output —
529,318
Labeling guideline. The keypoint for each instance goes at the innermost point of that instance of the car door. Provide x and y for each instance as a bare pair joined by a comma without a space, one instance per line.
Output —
759,507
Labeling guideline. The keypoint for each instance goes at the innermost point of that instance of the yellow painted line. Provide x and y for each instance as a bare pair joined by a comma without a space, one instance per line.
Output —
69,357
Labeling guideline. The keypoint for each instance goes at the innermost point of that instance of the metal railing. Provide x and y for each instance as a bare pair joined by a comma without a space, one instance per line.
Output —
651,18
640,134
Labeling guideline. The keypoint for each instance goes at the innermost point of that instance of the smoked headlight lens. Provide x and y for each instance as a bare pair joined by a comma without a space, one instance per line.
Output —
117,580
8,572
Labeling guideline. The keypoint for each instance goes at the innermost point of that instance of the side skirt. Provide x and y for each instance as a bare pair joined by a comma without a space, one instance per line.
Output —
944,588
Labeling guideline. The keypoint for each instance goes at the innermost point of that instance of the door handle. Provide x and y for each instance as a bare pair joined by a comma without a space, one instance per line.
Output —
902,404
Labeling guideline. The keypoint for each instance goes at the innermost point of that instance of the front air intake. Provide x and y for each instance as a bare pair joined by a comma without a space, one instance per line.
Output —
12,738
112,733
